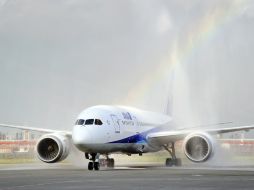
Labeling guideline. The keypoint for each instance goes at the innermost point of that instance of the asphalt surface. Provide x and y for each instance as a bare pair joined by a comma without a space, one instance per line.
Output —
122,178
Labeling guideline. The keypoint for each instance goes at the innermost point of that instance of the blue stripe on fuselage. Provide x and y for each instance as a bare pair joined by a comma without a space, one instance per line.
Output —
138,138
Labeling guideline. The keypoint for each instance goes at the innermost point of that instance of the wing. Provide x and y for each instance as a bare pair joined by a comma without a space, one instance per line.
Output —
165,137
42,130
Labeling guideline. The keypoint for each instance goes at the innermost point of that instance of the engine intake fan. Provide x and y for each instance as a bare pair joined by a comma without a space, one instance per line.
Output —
198,147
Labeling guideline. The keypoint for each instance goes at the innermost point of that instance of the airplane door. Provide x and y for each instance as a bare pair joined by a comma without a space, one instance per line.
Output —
116,123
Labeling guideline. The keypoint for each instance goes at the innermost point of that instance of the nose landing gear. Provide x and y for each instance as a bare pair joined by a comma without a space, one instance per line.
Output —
93,164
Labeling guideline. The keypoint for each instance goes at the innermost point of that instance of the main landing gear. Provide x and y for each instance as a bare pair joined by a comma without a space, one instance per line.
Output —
173,161
95,162
109,162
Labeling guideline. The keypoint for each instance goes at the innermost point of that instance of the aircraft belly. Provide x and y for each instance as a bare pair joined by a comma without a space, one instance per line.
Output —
132,148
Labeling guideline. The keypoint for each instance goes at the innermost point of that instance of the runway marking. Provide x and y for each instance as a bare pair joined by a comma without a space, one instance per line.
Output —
197,175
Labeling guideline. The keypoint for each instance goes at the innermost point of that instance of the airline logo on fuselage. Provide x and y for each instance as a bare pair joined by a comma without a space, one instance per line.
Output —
128,119
126,115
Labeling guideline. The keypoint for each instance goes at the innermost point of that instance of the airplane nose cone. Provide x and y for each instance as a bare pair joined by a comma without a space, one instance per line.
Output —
81,137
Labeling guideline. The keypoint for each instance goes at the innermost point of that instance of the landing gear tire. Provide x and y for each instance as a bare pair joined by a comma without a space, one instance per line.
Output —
96,166
90,165
173,162
169,162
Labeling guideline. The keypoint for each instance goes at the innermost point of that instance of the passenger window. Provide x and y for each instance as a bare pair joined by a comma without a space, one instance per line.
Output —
80,122
89,121
98,122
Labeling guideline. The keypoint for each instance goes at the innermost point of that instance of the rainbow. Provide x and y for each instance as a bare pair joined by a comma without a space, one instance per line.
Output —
199,35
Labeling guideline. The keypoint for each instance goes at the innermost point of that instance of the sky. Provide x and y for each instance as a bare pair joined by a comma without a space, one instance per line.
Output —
191,58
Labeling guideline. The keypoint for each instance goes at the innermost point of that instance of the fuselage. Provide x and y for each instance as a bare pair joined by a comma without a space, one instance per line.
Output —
107,129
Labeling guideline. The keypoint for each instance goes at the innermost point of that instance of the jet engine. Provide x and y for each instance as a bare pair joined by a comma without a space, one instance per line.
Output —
53,148
198,147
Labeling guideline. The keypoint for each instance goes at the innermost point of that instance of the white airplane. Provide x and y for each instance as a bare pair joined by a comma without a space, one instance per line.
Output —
102,130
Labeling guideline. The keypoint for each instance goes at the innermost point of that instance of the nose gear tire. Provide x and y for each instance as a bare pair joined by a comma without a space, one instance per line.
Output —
90,166
96,166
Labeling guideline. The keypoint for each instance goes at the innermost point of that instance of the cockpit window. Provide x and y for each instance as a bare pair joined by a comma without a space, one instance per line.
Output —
98,122
89,122
80,122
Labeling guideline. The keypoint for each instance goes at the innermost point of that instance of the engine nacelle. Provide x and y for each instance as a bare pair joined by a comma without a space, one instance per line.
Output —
198,147
53,148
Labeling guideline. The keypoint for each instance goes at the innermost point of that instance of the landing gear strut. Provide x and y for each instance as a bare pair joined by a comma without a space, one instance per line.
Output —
173,161
93,164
